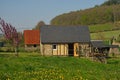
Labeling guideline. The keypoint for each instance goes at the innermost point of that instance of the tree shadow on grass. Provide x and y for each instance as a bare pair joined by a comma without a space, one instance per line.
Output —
114,60
5,55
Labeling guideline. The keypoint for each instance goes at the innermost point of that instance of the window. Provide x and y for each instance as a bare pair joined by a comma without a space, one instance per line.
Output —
35,45
54,46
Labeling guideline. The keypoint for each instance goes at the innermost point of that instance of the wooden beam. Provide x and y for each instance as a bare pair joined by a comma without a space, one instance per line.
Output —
57,49
64,50
60,49
43,49
52,49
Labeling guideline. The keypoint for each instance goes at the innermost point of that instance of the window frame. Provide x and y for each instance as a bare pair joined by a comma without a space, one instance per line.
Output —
54,46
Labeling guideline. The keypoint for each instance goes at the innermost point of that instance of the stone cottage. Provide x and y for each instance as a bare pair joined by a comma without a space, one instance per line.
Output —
65,40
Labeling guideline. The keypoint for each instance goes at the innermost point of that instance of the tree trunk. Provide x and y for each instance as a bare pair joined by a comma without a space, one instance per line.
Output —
16,51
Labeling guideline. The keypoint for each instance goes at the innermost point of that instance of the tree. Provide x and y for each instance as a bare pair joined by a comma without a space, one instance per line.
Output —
41,23
111,2
96,6
91,16
10,34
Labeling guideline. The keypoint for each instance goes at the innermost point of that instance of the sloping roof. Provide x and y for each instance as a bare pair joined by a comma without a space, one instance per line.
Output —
31,36
114,46
64,34
100,44
97,43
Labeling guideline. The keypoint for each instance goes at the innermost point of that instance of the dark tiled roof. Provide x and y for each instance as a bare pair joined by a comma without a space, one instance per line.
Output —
97,43
64,34
100,44
114,46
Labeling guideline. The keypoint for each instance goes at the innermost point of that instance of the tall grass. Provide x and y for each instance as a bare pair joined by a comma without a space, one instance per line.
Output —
32,66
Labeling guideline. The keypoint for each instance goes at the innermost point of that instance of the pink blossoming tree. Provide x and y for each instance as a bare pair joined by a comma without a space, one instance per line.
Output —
10,34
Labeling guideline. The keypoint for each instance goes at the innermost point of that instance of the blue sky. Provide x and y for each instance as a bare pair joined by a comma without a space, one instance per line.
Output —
25,14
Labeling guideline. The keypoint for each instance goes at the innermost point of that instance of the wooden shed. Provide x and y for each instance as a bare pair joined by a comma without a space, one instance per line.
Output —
98,46
65,40
32,39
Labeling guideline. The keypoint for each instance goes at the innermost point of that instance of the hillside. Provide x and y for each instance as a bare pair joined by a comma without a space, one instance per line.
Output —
106,35
105,31
91,16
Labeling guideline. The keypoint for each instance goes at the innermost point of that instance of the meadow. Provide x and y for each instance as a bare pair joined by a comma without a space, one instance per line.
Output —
107,35
33,66
101,27
104,31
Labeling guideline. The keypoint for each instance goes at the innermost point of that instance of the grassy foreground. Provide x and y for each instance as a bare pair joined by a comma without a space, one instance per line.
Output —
32,66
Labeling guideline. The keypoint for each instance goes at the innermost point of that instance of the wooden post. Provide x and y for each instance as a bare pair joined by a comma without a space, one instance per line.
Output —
52,49
57,49
64,50
43,49
60,49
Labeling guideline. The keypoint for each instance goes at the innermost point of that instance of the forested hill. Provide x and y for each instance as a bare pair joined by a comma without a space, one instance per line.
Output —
96,15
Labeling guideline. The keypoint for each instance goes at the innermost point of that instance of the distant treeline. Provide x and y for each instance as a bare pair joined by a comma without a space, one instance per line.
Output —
97,15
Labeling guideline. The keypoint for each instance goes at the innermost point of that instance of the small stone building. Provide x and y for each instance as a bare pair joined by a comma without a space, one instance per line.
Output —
32,39
65,40
98,46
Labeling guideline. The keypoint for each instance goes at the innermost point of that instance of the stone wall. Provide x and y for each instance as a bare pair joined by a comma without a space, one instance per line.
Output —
63,49
84,49
81,49
31,47
47,49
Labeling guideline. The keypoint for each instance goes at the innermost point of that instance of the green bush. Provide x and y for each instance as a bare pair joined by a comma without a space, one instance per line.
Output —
7,49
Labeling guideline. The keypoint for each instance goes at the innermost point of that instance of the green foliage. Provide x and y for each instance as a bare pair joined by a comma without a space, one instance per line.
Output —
96,15
111,2
6,49
107,42
37,27
118,38
35,67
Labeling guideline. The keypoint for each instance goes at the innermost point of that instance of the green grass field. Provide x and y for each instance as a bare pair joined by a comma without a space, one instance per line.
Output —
106,35
101,27
105,31
32,66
